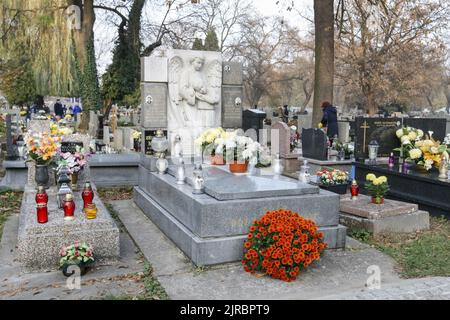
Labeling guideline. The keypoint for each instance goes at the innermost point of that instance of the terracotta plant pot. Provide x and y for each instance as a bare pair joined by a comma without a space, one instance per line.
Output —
377,200
238,167
217,160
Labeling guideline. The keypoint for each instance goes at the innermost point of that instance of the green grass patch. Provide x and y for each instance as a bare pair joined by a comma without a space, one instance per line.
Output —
9,203
118,193
419,254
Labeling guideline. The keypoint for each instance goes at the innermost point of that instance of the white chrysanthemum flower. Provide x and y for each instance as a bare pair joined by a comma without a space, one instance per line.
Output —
399,133
415,154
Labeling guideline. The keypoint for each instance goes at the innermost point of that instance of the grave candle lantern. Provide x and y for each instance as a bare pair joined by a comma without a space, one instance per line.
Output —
87,195
69,207
373,152
41,205
354,190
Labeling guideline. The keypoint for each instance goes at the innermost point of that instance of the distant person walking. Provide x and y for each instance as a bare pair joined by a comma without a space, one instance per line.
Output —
59,110
329,119
285,114
76,111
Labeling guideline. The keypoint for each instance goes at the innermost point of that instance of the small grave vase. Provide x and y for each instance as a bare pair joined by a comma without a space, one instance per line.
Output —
41,176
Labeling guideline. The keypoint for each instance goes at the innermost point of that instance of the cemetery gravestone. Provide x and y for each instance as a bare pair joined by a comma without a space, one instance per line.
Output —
253,119
118,139
383,131
314,144
281,132
71,146
11,149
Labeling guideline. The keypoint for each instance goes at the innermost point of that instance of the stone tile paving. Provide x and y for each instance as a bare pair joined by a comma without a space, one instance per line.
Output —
433,288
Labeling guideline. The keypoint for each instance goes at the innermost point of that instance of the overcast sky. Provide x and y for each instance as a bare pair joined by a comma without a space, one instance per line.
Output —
105,38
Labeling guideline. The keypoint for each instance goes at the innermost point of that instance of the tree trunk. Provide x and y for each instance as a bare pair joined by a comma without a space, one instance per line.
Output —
85,52
308,94
371,104
324,56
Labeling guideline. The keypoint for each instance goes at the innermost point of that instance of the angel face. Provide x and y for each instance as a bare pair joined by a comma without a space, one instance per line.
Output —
197,63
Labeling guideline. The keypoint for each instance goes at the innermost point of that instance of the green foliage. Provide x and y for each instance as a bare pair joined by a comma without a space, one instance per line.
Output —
16,75
211,41
198,44
90,91
120,83
9,203
360,235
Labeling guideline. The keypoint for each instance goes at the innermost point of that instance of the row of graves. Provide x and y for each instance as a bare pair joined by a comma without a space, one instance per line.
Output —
214,181
62,218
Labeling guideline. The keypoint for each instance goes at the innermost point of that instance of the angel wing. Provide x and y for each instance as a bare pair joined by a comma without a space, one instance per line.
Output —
175,68
214,74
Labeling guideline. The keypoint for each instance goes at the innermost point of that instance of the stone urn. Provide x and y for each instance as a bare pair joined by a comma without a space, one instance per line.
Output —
41,177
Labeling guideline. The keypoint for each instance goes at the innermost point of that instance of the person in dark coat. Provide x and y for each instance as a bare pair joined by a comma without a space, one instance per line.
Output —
329,119
59,110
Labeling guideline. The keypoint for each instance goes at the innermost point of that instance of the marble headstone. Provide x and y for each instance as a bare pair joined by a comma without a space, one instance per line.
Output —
281,133
194,94
314,144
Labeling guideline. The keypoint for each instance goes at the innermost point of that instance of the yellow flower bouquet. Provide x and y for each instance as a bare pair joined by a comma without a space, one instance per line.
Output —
42,147
377,187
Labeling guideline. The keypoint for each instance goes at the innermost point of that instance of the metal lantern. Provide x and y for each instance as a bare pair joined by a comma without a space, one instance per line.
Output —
62,192
159,143
373,151
63,175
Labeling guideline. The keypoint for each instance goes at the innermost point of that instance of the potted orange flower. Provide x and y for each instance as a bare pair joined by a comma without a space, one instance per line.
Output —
281,244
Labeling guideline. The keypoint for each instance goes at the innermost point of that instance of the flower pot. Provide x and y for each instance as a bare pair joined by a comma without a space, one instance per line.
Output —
337,188
41,177
217,160
238,167
84,268
377,200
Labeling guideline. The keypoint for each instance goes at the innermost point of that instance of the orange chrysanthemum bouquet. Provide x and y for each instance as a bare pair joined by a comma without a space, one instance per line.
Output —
42,147
282,243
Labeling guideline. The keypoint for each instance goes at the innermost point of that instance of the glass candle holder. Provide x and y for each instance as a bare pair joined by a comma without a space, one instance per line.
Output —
42,213
87,195
91,211
69,207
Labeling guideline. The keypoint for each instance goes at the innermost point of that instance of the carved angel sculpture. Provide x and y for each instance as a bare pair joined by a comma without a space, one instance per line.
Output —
195,89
